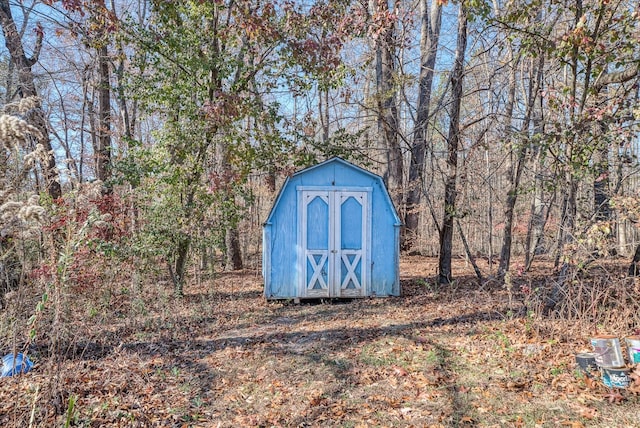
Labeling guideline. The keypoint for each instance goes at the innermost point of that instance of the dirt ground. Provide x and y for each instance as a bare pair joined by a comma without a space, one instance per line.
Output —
467,354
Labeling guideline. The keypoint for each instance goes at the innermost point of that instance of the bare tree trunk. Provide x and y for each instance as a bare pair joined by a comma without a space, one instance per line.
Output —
453,141
128,125
232,251
387,109
467,250
512,193
602,189
323,113
602,180
89,102
27,88
102,151
634,268
429,38
489,212
178,275
233,259
568,213
128,120
179,272
533,242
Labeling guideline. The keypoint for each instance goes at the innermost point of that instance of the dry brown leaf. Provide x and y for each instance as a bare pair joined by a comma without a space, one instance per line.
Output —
591,383
399,371
634,388
588,412
573,424
614,396
463,389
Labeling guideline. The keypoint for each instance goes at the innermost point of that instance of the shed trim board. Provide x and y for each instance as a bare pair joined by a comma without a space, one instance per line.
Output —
335,188
266,257
339,266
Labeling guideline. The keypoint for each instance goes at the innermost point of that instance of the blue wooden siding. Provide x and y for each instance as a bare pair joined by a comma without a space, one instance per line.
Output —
283,267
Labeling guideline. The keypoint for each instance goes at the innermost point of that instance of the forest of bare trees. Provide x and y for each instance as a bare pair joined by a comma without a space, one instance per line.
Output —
144,142
158,133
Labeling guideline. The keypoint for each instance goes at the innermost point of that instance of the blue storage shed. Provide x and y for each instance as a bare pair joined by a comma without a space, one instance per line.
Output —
332,232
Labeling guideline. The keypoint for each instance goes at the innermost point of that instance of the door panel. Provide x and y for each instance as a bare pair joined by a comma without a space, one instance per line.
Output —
334,235
318,222
316,235
351,274
351,223
317,271
352,232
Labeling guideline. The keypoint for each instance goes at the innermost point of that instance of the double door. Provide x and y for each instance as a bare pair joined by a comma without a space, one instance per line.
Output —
334,234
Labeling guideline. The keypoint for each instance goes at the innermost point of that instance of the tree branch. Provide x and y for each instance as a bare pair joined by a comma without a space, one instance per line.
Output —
617,77
38,46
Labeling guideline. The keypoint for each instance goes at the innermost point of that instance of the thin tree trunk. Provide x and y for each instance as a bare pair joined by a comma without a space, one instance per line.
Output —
634,268
602,180
119,71
102,151
429,38
535,229
489,210
127,122
232,243
453,141
184,243
387,109
182,253
601,162
323,113
567,223
512,193
568,215
232,251
467,250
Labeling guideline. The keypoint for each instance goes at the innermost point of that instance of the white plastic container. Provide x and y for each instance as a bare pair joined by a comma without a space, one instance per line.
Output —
633,347
607,351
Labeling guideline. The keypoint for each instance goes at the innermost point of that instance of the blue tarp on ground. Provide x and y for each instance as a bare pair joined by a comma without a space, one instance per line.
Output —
15,364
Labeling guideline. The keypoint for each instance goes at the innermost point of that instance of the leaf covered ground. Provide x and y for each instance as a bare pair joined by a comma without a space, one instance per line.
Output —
222,356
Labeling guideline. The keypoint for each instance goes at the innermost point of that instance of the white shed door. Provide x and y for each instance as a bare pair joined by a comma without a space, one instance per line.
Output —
334,229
